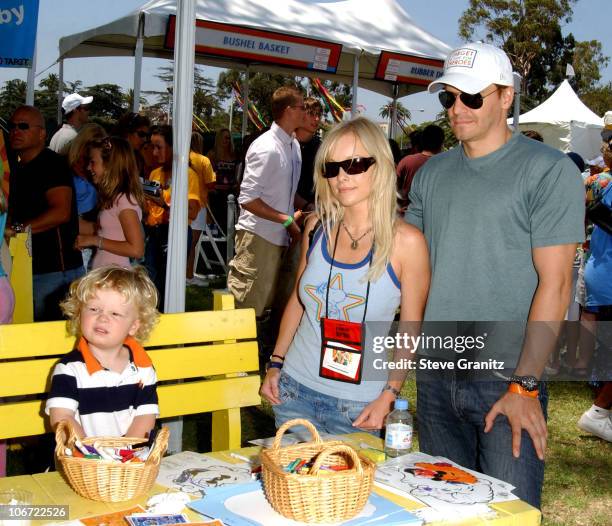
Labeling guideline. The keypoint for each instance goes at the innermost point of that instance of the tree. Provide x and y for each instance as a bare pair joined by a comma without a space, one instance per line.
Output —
12,95
530,33
109,101
599,99
205,99
261,88
45,99
403,113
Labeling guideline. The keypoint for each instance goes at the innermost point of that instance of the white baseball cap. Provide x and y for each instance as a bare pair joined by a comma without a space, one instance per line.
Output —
473,67
73,101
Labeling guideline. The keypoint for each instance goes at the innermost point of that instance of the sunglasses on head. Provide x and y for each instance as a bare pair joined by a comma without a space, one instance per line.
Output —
474,102
354,166
21,125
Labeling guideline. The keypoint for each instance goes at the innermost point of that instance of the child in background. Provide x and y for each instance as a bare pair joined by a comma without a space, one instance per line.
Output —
107,384
121,200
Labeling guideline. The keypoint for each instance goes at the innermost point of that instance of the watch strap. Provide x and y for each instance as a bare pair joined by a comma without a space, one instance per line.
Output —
274,365
392,389
517,389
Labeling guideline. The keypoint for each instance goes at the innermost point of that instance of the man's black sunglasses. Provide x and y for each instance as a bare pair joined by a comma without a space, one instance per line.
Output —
354,166
475,101
143,134
21,125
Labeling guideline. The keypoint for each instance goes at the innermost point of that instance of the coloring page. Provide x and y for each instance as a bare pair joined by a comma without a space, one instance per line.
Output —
193,472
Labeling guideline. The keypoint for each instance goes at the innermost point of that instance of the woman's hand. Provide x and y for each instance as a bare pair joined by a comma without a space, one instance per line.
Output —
269,388
374,414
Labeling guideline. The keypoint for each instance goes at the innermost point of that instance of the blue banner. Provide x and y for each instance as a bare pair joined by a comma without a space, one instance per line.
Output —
18,23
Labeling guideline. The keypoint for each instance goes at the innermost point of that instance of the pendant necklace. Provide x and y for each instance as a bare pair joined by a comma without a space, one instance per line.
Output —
355,242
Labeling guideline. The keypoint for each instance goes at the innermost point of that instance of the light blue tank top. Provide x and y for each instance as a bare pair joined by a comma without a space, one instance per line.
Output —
347,296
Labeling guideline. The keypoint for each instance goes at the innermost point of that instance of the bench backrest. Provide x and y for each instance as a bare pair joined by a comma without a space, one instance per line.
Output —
205,361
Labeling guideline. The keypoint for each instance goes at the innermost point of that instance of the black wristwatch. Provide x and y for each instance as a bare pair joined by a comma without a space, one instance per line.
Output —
274,365
529,383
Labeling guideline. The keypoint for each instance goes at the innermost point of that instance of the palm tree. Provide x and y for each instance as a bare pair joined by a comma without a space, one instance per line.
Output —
403,113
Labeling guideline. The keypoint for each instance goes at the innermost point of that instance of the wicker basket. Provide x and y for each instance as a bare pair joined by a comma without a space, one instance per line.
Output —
319,496
106,480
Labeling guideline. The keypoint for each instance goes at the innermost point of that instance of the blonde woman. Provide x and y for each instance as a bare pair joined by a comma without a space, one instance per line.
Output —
359,265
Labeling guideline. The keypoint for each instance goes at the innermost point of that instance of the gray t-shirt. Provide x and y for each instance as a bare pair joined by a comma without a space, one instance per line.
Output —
482,217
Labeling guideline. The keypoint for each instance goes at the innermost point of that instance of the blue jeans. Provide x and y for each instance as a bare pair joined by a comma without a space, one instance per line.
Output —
49,289
327,413
451,417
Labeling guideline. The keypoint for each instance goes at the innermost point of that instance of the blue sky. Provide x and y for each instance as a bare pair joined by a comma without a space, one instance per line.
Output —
57,18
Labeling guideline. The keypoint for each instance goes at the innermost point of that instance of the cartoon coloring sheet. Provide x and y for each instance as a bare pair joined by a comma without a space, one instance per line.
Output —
438,482
193,472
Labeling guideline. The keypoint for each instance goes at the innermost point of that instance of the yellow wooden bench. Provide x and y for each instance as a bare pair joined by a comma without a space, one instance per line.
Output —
205,361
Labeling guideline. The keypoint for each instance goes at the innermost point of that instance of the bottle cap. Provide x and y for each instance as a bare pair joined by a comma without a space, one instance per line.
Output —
401,404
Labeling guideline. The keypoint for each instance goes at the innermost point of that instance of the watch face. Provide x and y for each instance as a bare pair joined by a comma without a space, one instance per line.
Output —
529,383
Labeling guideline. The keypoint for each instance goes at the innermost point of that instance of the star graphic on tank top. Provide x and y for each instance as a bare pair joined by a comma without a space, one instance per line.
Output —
340,302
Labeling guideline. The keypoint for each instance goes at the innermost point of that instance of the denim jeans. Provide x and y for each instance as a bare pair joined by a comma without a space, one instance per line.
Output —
451,418
49,289
327,413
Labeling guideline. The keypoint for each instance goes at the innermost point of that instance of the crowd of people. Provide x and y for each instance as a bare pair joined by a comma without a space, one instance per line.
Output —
333,233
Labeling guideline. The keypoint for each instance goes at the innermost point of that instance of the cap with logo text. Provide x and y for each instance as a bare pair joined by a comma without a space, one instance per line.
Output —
473,67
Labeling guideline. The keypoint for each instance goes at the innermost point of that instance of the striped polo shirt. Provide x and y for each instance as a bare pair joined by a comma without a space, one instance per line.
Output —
104,402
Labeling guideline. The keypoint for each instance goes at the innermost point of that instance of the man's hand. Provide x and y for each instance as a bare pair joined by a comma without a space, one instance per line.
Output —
522,413
294,233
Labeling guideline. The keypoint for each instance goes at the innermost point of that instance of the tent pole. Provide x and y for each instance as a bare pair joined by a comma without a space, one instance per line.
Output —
31,79
138,52
60,92
355,85
231,113
393,126
517,101
245,100
184,59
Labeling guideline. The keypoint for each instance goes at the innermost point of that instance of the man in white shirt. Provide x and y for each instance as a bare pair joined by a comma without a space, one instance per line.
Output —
76,114
267,221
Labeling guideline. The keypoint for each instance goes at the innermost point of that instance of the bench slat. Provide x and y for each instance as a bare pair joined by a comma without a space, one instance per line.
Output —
205,360
34,376
27,340
26,418
208,395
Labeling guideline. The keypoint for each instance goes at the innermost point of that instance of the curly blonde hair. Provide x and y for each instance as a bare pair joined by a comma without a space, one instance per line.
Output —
382,204
133,283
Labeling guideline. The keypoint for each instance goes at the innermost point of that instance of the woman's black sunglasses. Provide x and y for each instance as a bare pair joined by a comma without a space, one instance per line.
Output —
354,166
475,102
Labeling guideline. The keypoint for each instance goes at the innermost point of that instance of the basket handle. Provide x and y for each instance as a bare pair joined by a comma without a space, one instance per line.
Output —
64,434
339,448
160,446
295,422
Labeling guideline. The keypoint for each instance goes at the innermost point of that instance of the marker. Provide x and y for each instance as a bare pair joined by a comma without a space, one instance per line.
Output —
240,457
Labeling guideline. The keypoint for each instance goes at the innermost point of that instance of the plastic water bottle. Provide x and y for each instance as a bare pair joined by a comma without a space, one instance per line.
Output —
398,430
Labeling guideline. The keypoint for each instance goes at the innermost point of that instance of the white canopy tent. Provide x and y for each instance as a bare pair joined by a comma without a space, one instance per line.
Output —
363,28
565,123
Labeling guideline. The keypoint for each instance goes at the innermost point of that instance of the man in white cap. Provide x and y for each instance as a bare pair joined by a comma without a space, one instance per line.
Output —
502,215
76,114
